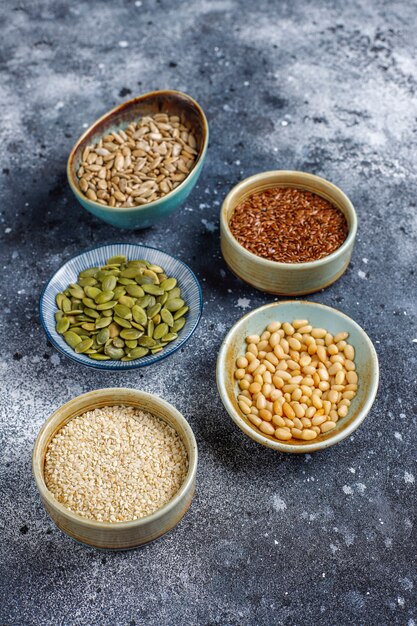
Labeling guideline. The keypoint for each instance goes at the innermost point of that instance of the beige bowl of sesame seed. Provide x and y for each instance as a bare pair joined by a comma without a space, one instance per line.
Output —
115,468
251,244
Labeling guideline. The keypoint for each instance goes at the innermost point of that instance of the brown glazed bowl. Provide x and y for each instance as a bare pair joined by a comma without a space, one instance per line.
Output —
286,278
168,101
123,535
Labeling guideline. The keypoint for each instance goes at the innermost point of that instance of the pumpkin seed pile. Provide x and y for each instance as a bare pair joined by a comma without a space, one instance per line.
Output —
120,311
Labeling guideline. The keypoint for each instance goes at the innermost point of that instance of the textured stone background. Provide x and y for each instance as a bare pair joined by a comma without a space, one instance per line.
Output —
327,87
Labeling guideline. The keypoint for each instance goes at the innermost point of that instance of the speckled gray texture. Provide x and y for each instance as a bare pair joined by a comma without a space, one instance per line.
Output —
328,87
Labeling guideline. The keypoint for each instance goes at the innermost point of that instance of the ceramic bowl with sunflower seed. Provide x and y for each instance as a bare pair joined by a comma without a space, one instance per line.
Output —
121,306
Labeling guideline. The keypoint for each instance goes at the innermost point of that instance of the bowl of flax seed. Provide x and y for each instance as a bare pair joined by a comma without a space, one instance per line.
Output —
287,232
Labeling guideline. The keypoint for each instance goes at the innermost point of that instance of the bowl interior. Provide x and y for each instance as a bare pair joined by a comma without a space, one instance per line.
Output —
111,397
68,273
170,102
298,180
320,316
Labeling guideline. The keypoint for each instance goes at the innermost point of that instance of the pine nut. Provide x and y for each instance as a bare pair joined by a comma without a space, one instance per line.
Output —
295,378
308,434
254,419
283,434
327,426
267,428
278,420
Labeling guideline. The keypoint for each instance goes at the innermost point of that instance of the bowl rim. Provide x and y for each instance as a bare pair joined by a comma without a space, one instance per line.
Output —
143,521
221,372
126,104
129,365
268,263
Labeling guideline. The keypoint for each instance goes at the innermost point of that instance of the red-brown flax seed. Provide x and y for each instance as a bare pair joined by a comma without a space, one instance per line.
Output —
288,225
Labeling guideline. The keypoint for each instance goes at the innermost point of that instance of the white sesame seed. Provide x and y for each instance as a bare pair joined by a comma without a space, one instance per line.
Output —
115,464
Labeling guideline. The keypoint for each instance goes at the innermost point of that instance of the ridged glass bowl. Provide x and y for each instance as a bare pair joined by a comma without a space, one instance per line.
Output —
68,273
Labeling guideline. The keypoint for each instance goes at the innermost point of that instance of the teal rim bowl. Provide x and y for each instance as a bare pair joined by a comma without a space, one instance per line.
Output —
145,215
319,315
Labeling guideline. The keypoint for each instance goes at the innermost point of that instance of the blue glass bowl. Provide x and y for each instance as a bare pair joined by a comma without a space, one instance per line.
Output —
68,273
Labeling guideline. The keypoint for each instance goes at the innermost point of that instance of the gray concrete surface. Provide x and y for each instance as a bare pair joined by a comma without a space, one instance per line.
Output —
328,87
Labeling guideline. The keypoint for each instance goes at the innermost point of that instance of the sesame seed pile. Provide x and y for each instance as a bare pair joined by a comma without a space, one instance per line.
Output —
115,464
288,225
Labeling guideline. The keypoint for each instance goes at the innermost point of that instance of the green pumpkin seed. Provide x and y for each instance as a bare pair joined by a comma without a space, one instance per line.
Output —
182,311
109,283
66,304
72,338
62,325
99,357
91,272
175,304
127,301
155,268
104,296
138,263
117,260
174,293
89,302
118,342
137,353
59,298
139,314
92,292
77,292
114,353
132,343
156,319
75,312
103,322
88,326
107,313
114,330
87,282
106,305
157,349
154,290
153,310
59,315
135,325
130,333
146,341
145,301
130,272
144,280
119,291
91,313
168,284
77,330
170,337
160,331
178,324
123,311
123,323
103,336
152,276
162,299
126,281
167,317
135,290
82,347
150,328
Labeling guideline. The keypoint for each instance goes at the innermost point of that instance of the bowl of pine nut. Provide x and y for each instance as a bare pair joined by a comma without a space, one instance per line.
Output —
287,232
140,161
297,376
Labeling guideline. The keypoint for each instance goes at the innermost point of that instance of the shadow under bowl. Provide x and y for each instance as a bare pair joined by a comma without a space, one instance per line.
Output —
145,215
318,315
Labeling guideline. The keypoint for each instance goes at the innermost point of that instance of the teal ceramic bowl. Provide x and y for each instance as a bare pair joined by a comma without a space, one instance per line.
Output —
334,321
145,215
